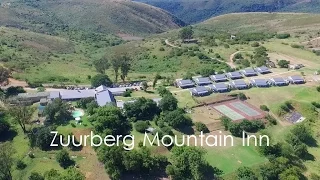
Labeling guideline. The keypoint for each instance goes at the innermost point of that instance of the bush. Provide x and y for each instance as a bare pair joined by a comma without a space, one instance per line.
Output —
167,130
318,88
226,46
264,108
201,127
316,104
141,126
255,44
271,119
127,93
242,96
283,63
21,165
161,49
63,159
36,176
297,46
100,79
283,36
225,122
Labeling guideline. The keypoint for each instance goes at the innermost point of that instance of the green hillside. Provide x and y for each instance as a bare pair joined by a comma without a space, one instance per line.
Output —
200,10
117,16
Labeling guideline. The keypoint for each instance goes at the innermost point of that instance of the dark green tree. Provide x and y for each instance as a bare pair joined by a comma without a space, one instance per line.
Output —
57,111
101,79
101,65
6,160
245,173
141,109
186,33
168,103
64,159
36,176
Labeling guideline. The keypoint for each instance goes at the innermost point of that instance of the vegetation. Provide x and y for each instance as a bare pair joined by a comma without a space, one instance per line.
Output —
64,159
283,63
186,33
100,79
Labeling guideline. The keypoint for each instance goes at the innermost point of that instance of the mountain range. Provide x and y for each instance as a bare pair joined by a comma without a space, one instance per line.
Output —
194,11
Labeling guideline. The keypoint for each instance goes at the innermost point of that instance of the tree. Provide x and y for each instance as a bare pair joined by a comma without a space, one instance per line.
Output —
188,162
177,119
125,67
6,160
57,111
69,174
110,120
64,159
36,176
4,126
318,88
41,137
201,127
264,108
141,109
144,85
141,126
283,63
156,78
22,115
83,103
206,72
163,91
168,103
4,74
101,65
245,173
101,79
14,90
186,33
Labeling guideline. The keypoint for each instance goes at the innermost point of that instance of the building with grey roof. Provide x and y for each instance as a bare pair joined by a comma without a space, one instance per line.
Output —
185,83
219,87
234,75
249,72
219,78
105,97
296,79
199,91
239,84
263,70
278,81
202,81
259,83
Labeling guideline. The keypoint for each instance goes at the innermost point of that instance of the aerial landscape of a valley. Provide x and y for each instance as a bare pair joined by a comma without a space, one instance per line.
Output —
159,90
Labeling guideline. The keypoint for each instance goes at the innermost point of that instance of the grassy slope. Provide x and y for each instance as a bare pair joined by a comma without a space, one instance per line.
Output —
263,21
98,16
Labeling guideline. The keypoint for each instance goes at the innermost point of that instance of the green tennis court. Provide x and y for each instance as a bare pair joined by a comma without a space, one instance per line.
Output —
245,109
230,113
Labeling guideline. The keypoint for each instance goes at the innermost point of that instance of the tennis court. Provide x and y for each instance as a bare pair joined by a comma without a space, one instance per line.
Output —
238,110
228,112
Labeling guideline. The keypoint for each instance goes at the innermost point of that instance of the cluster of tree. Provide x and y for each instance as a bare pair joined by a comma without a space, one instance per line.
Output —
13,91
135,162
260,56
57,112
118,63
186,33
284,108
64,160
237,128
68,174
4,74
42,137
283,63
4,126
141,109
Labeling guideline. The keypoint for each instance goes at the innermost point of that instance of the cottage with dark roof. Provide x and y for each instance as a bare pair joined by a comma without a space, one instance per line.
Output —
296,79
202,81
219,87
263,70
239,84
249,72
278,81
199,91
260,83
219,78
187,83
234,75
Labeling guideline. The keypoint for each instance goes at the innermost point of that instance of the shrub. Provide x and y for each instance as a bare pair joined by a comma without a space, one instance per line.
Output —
283,63
141,126
127,93
297,46
255,44
35,176
264,108
226,46
318,88
225,122
201,127
242,96
161,49
64,159
271,119
283,36
21,165
316,104
167,130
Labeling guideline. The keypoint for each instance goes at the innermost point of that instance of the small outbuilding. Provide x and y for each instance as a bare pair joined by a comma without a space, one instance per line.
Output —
234,75
219,87
202,81
278,81
260,83
187,83
296,79
249,72
263,70
239,84
219,78
199,91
